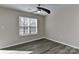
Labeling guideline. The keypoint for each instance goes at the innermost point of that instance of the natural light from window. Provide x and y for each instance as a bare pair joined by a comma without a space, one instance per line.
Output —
27,26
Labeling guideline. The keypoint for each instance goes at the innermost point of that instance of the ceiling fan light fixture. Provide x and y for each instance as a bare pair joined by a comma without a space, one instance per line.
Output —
38,11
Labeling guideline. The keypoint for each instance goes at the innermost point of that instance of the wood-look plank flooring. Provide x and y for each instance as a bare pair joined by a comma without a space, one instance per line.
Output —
44,46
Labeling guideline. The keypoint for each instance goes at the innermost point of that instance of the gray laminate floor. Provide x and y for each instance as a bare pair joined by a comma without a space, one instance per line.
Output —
44,46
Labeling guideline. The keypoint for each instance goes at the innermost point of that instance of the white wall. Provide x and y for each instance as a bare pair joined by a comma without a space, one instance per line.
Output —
9,27
63,26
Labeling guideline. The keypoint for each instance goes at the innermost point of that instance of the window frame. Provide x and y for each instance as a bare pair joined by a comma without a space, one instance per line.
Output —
29,27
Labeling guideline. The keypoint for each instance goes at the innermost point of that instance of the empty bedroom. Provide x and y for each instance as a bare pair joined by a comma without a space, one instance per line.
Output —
39,28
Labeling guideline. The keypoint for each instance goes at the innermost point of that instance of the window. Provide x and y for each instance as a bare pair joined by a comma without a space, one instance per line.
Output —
27,26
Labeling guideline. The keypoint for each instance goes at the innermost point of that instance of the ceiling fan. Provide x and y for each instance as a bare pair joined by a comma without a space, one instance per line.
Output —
39,9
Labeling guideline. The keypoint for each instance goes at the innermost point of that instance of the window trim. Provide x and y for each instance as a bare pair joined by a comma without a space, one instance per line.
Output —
28,27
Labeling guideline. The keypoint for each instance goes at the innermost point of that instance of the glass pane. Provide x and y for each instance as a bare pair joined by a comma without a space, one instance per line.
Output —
23,25
21,21
33,22
21,29
26,21
33,30
26,30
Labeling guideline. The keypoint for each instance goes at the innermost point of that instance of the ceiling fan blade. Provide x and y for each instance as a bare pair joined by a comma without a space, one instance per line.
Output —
44,9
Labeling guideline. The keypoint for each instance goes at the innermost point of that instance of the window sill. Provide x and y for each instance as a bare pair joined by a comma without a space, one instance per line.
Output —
29,34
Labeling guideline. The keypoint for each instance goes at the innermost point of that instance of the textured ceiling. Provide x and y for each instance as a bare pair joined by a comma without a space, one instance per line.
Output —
32,7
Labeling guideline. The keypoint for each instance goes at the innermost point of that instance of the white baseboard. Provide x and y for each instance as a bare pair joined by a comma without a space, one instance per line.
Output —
39,39
63,43
22,42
